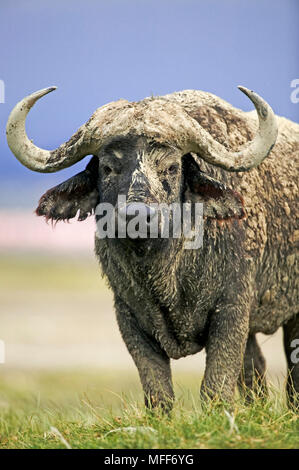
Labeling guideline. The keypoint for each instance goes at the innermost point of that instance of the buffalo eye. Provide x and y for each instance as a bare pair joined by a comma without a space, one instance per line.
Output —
107,170
173,169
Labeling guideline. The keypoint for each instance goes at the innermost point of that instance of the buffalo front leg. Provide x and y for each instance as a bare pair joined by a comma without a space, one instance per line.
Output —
291,347
151,361
252,380
225,348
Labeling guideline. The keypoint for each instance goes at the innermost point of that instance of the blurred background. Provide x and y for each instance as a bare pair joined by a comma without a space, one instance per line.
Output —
56,311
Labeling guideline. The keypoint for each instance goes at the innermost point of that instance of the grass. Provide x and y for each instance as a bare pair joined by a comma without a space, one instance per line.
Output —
50,274
104,408
83,410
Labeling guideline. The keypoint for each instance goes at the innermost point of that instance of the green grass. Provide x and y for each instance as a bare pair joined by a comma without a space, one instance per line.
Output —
49,273
104,409
86,409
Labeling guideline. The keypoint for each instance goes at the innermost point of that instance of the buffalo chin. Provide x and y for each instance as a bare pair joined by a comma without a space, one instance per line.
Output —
141,247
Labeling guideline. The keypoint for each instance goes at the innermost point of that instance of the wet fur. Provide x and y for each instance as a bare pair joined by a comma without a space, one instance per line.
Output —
172,302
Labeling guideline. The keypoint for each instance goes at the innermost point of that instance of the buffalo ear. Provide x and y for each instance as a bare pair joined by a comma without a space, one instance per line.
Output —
78,194
219,201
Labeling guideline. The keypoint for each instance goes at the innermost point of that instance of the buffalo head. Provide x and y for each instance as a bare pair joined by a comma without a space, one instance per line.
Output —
146,151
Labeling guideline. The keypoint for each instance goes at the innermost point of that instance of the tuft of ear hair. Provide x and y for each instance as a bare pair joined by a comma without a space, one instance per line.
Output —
77,195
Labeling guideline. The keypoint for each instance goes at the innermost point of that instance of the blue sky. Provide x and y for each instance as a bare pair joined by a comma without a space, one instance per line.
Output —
98,51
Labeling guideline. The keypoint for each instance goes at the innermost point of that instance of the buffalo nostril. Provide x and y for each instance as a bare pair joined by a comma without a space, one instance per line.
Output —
150,214
151,211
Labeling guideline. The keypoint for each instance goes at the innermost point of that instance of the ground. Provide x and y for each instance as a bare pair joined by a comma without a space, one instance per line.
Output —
69,381
91,410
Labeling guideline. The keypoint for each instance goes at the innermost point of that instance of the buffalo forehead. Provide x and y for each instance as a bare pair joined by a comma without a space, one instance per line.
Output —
157,119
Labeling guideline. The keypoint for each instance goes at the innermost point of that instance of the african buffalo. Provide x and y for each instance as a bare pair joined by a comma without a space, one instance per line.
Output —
188,146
